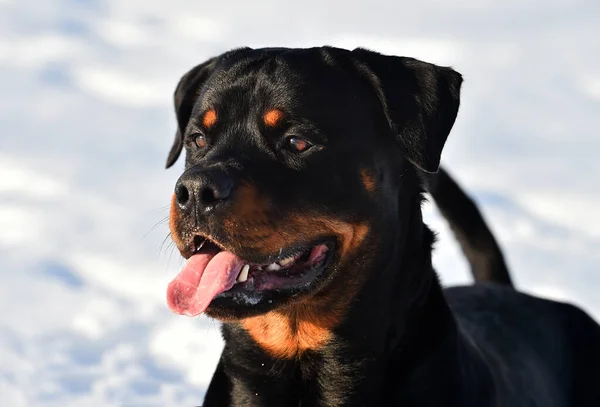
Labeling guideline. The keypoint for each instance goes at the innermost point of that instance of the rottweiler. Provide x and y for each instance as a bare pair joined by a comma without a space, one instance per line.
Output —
299,214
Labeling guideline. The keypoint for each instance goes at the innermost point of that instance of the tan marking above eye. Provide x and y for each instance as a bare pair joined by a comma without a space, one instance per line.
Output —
272,117
209,118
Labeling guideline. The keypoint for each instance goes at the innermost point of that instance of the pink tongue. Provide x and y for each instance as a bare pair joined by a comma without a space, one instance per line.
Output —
203,277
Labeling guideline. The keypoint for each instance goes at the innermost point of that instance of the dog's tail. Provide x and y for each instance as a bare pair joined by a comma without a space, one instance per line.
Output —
473,234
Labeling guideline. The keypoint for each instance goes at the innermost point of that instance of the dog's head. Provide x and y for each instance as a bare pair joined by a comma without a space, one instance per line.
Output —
293,171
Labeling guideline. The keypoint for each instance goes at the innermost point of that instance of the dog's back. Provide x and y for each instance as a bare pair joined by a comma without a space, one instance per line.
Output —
560,341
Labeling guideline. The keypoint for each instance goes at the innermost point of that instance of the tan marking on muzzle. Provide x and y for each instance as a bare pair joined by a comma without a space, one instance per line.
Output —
308,324
368,180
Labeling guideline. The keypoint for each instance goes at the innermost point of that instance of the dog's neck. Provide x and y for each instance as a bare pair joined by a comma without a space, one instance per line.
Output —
388,342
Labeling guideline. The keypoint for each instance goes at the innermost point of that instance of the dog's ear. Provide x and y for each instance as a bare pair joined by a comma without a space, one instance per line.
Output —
185,97
420,101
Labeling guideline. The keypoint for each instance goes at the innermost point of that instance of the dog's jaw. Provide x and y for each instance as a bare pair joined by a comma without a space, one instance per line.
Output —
410,284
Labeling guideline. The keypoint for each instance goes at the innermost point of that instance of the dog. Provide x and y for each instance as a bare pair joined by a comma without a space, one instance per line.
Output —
299,214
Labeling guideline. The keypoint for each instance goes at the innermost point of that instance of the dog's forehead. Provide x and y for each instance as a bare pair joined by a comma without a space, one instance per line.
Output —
298,80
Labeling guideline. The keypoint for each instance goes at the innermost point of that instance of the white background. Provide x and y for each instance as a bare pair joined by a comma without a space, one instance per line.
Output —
86,122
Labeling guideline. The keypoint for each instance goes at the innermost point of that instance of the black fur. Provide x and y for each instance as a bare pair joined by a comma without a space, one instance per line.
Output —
404,341
466,222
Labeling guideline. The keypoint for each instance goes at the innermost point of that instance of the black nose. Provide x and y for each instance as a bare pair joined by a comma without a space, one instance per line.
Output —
203,189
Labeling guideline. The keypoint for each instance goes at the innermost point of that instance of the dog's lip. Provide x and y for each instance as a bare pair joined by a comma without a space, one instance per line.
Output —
199,241
232,283
191,247
261,290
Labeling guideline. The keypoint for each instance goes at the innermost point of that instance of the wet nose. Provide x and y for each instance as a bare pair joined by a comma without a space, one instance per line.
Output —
203,189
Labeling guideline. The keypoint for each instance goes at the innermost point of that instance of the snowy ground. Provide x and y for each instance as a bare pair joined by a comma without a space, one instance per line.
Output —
86,121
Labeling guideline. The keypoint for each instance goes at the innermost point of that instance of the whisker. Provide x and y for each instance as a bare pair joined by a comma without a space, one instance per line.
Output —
172,246
162,209
157,224
162,245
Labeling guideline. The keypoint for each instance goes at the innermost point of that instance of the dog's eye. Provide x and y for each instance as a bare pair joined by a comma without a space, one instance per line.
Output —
298,144
200,140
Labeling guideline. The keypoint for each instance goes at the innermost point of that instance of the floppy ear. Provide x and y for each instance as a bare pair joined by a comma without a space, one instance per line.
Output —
185,97
420,101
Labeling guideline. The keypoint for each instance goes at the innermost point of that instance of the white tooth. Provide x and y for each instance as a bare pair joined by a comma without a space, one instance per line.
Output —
273,267
243,274
287,261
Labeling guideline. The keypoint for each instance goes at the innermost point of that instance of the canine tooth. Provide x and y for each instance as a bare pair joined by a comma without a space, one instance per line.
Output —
273,267
243,274
287,261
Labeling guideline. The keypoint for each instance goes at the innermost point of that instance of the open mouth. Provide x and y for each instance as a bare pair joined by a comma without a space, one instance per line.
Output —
213,273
